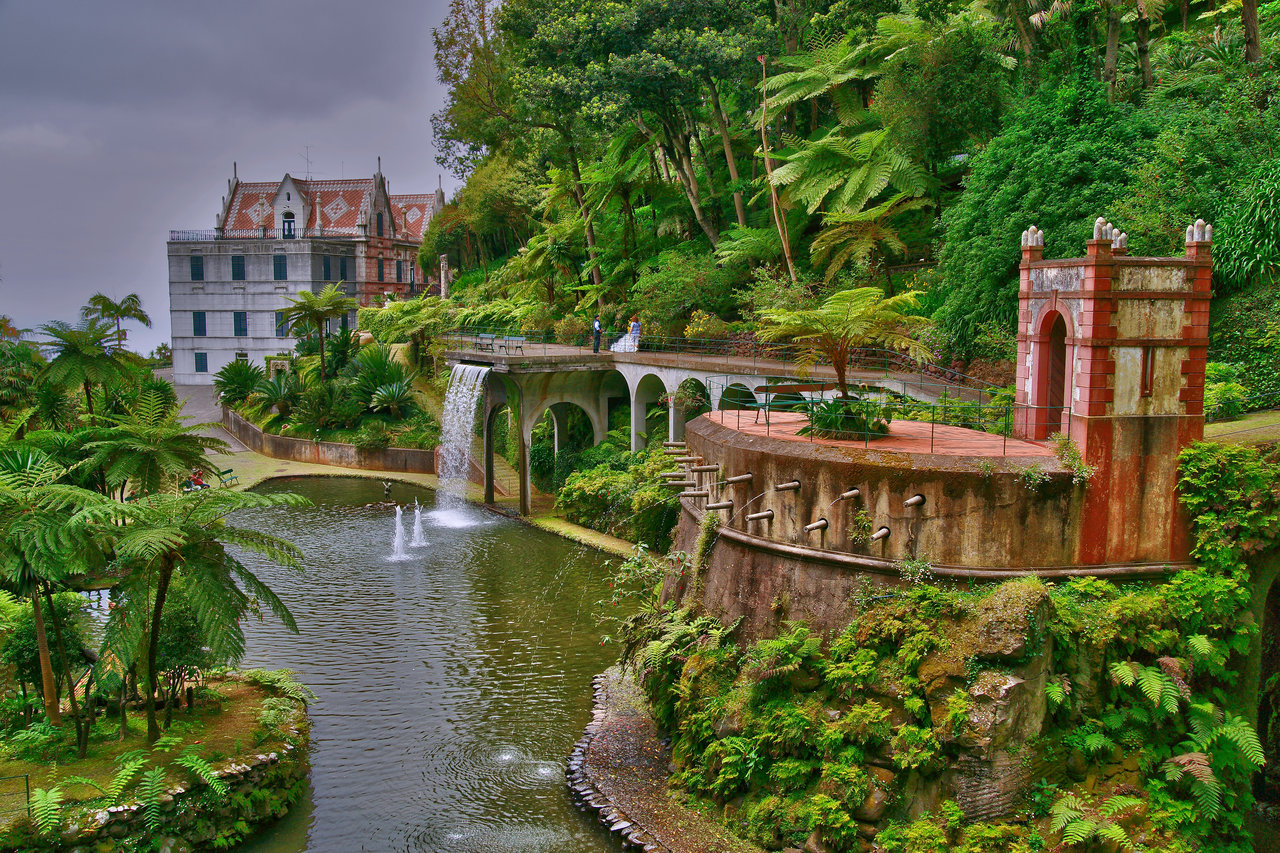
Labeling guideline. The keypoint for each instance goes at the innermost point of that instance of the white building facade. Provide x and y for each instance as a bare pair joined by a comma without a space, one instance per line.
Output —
229,287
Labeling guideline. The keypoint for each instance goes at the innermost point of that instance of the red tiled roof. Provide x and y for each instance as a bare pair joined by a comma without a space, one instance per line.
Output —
412,212
340,204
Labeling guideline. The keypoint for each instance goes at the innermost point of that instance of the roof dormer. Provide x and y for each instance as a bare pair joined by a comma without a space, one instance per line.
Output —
292,209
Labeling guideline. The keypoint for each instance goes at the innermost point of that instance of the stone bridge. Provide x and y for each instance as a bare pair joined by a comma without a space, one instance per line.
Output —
537,378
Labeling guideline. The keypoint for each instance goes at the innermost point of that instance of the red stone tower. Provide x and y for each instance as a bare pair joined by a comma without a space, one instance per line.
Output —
1111,352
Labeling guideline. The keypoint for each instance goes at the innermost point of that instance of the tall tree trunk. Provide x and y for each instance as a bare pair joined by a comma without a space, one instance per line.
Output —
1252,42
82,736
88,402
48,682
678,152
779,220
1112,51
1142,34
153,648
320,333
580,197
722,125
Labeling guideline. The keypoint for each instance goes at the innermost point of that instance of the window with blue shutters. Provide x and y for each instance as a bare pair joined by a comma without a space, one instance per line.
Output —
382,276
202,362
328,267
197,267
342,268
237,267
281,267
282,325
399,271
379,224
197,324
240,320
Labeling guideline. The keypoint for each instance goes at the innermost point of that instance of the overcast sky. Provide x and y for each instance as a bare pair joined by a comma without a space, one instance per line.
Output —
120,120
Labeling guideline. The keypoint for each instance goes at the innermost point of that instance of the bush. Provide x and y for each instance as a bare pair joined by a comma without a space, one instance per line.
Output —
1224,401
375,435
423,432
623,497
237,380
572,330
847,420
704,325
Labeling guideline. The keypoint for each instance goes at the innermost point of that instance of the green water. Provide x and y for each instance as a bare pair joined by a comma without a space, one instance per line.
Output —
451,685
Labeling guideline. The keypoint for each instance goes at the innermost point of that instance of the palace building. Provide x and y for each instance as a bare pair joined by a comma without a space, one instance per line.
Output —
229,286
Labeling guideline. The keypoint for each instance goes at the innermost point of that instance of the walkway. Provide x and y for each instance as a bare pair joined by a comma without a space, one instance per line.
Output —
904,436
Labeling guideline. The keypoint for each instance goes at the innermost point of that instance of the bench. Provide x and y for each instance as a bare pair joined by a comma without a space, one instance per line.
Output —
485,343
512,344
228,478
790,388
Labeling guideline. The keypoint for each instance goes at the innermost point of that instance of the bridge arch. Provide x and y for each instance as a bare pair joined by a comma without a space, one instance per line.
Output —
648,390
736,395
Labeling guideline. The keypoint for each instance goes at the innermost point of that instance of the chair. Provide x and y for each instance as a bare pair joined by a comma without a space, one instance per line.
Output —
228,478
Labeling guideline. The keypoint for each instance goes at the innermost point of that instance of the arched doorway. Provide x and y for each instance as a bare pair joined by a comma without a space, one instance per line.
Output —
1050,395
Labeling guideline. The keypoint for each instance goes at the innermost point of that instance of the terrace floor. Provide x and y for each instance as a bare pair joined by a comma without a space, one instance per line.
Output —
903,437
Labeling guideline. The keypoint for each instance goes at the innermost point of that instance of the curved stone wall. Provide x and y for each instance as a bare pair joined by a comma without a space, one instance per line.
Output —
981,519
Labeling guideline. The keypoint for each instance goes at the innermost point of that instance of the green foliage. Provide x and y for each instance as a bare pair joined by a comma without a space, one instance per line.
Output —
849,420
1068,453
46,809
1059,161
624,497
1081,819
236,380
280,681
1229,492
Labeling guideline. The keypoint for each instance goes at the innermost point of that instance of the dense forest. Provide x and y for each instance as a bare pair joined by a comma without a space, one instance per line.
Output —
694,163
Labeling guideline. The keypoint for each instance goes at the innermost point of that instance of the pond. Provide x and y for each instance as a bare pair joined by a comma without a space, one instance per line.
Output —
451,684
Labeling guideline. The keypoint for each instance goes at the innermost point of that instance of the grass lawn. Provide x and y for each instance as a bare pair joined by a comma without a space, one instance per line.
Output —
217,729
1253,428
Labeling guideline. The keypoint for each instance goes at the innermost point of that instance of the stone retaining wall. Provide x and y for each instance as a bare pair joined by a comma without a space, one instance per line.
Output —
399,459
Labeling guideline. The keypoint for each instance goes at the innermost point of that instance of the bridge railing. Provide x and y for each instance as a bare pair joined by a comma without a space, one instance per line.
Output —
807,407
736,352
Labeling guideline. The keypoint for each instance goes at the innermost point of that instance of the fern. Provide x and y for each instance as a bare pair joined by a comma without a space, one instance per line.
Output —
202,770
46,808
150,792
167,743
281,681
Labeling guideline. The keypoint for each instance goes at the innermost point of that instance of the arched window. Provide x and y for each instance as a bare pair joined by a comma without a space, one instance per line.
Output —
286,225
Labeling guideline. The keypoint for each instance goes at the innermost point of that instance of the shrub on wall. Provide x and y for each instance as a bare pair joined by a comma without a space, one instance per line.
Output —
623,497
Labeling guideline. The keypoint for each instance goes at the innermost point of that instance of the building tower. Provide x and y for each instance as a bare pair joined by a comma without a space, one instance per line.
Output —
1111,353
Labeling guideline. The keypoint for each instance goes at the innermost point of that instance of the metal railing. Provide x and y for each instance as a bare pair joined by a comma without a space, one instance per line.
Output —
738,352
15,796
810,409
193,236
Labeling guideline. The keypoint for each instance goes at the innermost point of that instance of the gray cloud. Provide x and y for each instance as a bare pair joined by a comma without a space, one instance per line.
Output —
119,121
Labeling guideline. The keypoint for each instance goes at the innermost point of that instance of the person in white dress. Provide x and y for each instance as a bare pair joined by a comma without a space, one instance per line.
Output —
630,342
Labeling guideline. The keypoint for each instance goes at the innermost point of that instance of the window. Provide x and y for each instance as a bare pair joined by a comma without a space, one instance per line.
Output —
399,270
197,324
197,267
242,356
327,263
342,268
379,224
237,267
240,319
281,265
1148,371
202,362
286,225
342,322
382,274
282,325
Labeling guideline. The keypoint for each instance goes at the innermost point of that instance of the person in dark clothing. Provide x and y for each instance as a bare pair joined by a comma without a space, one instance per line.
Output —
595,334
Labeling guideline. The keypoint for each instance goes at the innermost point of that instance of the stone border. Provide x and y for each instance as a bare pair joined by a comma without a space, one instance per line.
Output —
581,786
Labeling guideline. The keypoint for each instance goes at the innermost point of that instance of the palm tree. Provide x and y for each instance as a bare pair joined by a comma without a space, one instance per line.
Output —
280,392
38,548
162,534
150,446
848,319
236,381
82,356
103,307
313,310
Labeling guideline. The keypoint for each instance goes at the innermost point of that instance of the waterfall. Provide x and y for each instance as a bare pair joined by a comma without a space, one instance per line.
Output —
417,541
466,385
397,542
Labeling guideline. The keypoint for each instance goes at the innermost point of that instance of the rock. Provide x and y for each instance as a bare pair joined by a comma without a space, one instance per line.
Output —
815,844
867,831
1006,710
1077,765
729,726
1005,621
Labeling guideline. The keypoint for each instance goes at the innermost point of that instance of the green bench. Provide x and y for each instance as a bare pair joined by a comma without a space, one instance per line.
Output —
512,344
228,478
485,343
